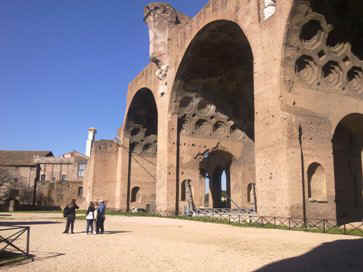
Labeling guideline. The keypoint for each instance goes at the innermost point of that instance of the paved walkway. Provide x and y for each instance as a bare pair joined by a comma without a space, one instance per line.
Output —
156,244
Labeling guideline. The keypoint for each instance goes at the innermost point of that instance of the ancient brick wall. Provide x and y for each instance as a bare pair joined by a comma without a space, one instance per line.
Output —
267,83
23,181
104,176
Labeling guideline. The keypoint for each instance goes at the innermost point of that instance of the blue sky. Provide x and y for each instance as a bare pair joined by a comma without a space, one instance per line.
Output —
65,66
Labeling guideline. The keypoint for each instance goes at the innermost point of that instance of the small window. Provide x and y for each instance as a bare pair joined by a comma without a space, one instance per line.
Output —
80,191
53,179
81,168
42,178
64,178
134,194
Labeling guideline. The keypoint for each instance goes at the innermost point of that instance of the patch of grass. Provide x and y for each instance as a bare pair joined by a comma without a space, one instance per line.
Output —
81,215
224,220
37,211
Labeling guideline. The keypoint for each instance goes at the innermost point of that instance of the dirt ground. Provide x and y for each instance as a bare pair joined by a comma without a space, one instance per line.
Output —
158,244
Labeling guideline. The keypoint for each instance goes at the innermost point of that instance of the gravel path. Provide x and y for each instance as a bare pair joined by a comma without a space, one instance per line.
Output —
158,244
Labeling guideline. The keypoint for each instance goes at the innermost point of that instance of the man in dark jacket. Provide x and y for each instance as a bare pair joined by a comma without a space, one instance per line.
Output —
101,211
71,215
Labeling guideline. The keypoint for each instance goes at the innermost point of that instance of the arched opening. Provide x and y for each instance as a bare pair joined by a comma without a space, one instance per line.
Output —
347,150
317,187
213,99
215,168
135,195
141,131
250,193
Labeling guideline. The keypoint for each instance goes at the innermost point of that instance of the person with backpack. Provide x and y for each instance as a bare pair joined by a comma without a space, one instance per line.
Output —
90,217
70,213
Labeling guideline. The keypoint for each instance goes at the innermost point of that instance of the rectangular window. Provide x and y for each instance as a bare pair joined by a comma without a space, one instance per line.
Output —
63,178
42,178
81,168
80,191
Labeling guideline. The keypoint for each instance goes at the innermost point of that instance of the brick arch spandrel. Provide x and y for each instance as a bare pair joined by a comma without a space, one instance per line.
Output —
144,80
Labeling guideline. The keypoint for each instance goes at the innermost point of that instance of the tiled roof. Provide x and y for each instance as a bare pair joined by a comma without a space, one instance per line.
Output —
21,158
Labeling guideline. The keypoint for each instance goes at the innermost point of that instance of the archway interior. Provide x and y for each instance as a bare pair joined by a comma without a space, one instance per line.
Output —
142,122
135,194
141,130
214,101
346,18
348,146
217,82
215,168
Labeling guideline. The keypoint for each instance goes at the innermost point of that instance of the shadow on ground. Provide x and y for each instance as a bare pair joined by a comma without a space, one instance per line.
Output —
8,258
26,223
340,255
43,255
106,232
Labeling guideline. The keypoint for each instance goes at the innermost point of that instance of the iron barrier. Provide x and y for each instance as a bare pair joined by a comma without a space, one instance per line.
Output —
250,218
10,238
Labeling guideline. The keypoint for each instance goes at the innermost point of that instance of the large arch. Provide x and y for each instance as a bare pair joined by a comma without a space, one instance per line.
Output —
213,99
322,69
348,164
140,132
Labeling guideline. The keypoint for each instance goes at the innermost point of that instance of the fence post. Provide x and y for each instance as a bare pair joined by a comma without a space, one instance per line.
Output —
289,223
27,240
239,219
249,219
229,219
274,220
345,229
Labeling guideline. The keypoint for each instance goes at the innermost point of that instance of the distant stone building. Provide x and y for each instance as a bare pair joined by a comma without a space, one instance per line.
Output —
19,174
60,179
38,178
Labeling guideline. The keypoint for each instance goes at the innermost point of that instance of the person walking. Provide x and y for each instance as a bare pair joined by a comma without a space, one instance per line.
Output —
101,211
90,217
70,213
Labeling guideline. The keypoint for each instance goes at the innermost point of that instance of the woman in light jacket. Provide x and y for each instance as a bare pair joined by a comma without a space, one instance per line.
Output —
90,217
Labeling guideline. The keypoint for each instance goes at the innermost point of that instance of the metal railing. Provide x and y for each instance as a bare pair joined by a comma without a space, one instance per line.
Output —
221,211
10,237
249,218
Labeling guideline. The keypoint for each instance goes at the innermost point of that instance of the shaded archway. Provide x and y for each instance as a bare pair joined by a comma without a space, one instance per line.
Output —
135,194
347,150
216,166
213,99
141,131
